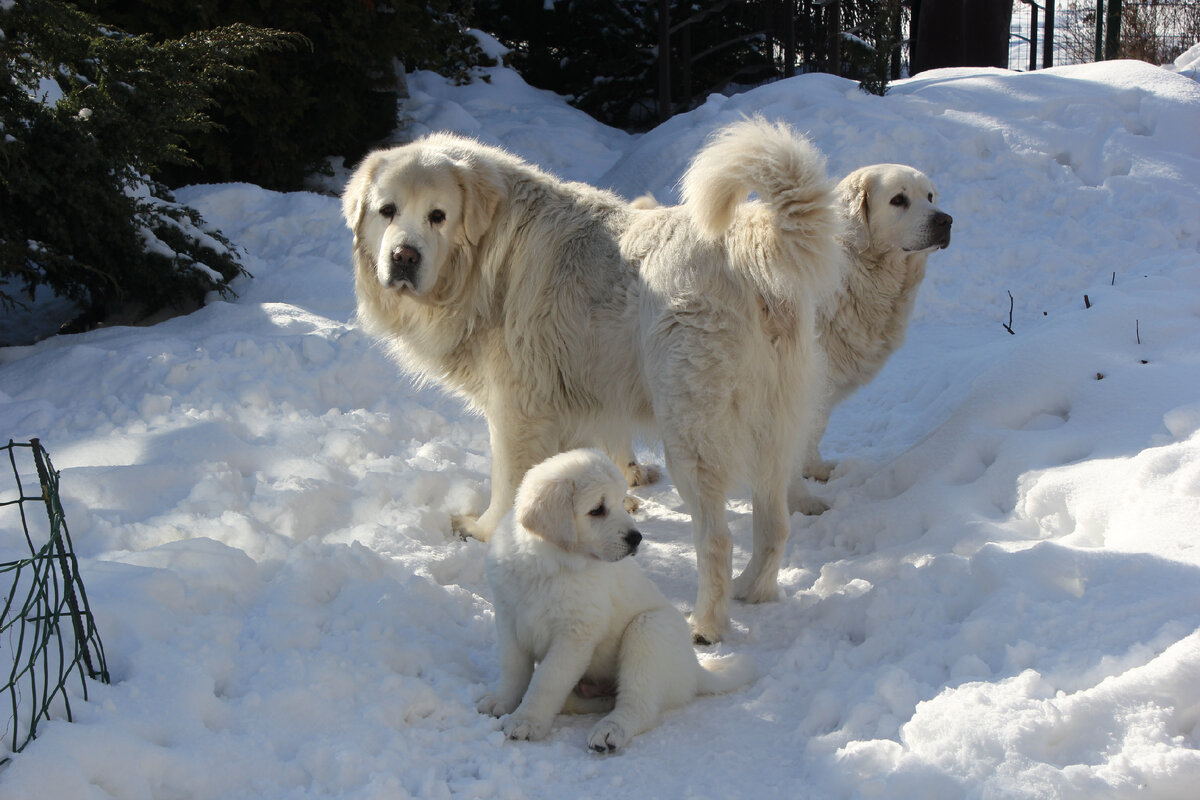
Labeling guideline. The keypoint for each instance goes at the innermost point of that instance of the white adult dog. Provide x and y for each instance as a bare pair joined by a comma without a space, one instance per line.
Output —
580,626
892,226
569,319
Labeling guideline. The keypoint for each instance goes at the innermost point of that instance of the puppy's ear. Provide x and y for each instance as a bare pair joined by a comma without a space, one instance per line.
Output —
548,509
482,190
854,195
354,196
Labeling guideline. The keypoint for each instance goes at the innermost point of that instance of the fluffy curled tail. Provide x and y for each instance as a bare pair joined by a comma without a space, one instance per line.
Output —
781,166
727,674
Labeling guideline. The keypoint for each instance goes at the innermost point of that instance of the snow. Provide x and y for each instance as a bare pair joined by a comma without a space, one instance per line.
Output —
1004,600
1188,62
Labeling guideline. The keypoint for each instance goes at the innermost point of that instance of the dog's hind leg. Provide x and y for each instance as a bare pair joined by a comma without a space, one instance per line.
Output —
704,492
657,671
714,562
814,464
758,582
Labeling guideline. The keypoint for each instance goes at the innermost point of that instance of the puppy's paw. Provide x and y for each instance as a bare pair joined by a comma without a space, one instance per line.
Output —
607,737
494,706
632,504
467,527
525,728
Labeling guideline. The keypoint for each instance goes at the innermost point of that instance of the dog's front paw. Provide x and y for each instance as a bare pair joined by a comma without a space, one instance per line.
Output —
641,474
467,527
607,736
706,631
493,705
755,588
819,470
526,728
799,500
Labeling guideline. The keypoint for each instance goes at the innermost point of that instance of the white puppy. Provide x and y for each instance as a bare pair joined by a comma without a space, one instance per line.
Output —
892,226
601,634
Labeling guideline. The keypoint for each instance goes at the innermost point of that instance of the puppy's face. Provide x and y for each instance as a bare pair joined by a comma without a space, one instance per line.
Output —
896,207
575,500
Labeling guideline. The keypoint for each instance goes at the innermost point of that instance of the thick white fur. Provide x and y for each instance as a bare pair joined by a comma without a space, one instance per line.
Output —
892,226
569,319
581,628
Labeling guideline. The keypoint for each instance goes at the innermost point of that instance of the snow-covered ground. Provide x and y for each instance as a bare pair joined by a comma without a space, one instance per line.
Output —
1003,602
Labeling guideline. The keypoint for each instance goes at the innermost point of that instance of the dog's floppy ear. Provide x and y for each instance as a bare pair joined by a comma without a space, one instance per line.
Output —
354,196
482,190
547,508
854,194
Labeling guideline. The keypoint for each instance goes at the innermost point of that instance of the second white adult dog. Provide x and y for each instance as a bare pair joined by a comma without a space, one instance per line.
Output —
581,628
892,226
570,319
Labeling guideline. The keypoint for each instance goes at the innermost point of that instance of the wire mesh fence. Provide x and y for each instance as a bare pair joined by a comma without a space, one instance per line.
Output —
48,637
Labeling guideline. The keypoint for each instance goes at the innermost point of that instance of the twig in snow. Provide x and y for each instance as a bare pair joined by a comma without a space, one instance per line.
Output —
1008,327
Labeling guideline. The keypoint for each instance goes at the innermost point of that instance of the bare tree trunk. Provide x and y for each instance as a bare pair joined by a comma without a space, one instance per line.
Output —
961,33
664,60
1112,33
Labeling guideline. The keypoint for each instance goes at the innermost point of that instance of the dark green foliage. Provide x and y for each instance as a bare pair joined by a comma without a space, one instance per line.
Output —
603,54
873,55
89,115
278,121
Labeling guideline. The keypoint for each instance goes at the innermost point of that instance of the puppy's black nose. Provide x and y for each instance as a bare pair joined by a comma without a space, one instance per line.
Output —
633,539
405,261
942,220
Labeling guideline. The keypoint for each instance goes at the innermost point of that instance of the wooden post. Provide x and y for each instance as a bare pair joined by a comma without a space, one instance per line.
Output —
1033,22
1048,37
1112,34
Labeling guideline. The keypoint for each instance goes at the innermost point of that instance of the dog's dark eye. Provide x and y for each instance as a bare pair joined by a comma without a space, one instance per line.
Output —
437,216
900,201
598,511
931,197
388,211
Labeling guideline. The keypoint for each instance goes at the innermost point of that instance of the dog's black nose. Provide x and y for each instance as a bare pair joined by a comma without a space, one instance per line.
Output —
633,539
405,261
941,228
